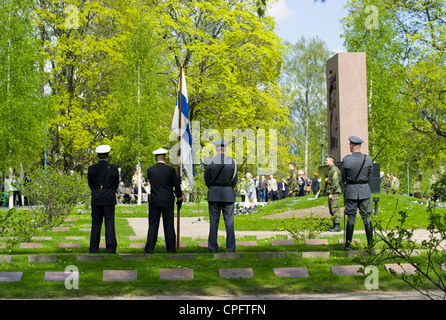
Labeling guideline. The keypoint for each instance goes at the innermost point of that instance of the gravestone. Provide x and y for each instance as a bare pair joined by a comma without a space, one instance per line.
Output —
316,254
30,245
42,259
176,274
63,229
272,255
349,271
236,273
282,242
10,276
227,256
247,243
403,268
5,259
119,275
59,276
296,272
314,242
90,258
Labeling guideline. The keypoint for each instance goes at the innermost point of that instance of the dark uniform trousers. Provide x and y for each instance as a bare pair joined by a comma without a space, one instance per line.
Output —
103,203
356,173
164,181
227,210
221,178
168,225
98,214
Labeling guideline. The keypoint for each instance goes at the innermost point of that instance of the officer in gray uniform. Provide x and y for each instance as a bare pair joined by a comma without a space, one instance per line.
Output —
356,174
221,178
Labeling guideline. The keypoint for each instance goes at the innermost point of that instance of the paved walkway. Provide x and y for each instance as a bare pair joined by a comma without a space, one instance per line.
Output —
192,227
364,295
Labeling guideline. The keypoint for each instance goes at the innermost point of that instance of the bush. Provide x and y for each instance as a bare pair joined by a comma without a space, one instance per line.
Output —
427,257
308,228
53,196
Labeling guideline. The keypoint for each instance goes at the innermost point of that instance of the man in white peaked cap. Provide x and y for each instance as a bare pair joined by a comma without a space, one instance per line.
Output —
164,185
103,180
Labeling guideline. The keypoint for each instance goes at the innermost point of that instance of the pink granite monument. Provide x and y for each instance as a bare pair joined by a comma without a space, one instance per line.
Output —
347,102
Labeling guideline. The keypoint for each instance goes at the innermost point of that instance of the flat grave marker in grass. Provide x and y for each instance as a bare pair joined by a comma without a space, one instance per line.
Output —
42,258
316,242
316,254
271,255
227,255
176,274
119,275
187,256
62,229
349,271
282,242
403,268
30,245
247,243
5,259
59,276
10,276
236,273
90,258
297,272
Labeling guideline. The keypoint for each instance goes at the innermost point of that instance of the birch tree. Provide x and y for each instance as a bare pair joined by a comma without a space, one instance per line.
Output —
303,78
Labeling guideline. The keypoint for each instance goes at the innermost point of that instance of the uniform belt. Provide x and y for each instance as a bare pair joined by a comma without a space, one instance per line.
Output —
221,185
357,182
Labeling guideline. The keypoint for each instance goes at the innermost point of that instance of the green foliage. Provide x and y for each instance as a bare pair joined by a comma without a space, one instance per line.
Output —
439,187
398,242
304,92
309,228
405,61
53,195
22,109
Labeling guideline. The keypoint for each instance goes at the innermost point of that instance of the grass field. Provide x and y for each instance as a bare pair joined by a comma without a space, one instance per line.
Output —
205,267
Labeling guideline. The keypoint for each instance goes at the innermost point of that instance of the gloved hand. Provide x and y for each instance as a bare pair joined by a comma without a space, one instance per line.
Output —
179,203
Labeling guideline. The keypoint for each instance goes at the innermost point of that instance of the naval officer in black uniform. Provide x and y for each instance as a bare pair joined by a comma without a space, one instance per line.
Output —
356,174
221,177
103,180
164,185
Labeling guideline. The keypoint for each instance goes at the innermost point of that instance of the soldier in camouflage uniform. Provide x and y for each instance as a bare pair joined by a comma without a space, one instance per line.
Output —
334,191
293,185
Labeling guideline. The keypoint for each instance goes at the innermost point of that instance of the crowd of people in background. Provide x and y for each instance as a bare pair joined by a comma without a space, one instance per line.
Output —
260,189
252,190
418,188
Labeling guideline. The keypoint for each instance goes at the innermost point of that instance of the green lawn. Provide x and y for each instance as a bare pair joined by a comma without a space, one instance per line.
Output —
206,267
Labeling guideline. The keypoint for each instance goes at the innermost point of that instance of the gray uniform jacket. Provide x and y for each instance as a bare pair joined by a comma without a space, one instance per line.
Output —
221,178
356,189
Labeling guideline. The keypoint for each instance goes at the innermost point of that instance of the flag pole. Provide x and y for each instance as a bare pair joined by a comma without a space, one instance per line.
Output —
179,151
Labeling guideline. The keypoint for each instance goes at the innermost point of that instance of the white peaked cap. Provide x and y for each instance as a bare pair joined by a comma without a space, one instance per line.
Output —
103,149
160,151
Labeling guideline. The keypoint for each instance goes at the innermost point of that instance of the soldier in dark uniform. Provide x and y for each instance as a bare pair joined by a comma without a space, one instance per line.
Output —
163,183
356,174
334,191
221,178
103,180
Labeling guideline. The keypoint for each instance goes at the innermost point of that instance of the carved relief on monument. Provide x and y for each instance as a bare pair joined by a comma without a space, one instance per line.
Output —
333,133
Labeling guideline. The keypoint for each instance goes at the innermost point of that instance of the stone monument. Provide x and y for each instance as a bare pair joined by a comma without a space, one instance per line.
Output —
347,102
347,107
